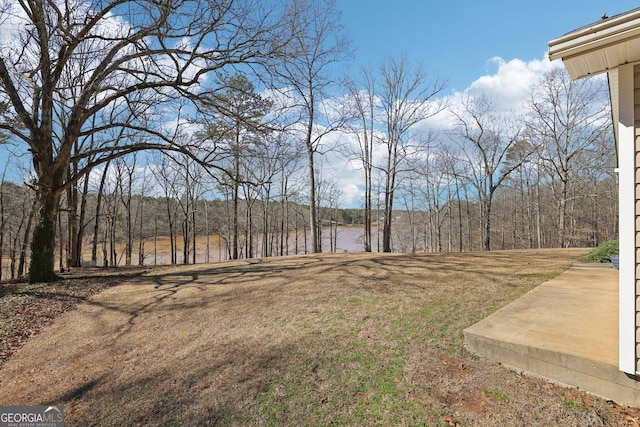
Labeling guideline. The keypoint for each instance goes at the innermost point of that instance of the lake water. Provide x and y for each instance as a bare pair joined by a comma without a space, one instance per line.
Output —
348,239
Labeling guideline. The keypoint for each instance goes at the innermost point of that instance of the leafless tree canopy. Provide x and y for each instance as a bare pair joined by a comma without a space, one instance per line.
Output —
90,81
238,99
81,70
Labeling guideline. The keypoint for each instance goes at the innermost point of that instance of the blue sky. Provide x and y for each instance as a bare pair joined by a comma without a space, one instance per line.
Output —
498,48
458,39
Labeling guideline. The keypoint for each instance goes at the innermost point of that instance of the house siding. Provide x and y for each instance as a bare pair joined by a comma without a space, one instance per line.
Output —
636,123
613,46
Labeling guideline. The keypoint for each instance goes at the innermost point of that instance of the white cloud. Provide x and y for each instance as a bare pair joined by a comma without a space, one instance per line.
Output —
11,20
510,85
334,167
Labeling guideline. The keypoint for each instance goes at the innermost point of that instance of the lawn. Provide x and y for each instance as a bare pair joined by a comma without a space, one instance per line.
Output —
327,339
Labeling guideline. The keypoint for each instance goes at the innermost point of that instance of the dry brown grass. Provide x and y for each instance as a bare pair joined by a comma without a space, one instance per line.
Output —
339,339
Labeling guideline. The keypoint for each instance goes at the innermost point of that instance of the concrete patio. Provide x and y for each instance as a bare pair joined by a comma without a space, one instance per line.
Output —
565,330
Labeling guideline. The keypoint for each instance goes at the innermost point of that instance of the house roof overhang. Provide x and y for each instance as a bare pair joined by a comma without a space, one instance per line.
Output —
601,47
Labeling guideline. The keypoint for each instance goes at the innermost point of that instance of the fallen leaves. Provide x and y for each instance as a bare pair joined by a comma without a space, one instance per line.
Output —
452,422
27,309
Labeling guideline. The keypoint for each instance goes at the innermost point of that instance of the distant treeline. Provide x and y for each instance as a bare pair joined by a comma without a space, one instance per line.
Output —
123,228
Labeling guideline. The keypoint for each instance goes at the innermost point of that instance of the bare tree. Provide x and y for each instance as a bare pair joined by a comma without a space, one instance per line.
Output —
141,220
188,192
27,235
364,110
434,169
567,117
98,213
289,164
168,180
3,219
275,159
317,45
485,136
131,58
407,97
329,196
22,213
181,178
126,183
111,215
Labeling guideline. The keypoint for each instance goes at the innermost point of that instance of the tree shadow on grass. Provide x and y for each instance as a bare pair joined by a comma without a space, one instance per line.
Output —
175,393
210,374
268,276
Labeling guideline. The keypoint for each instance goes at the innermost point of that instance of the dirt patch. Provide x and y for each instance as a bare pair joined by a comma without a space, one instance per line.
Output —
341,339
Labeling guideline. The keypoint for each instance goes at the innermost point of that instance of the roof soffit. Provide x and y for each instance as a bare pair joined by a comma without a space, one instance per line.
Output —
599,47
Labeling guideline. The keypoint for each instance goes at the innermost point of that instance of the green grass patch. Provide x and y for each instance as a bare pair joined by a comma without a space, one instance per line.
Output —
577,406
497,394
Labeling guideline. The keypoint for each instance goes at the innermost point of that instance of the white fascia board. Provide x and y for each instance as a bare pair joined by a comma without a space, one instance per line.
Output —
598,35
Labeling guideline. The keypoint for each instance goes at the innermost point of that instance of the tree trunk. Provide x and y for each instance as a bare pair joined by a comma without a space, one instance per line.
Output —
141,237
313,213
72,226
266,251
386,232
388,210
367,199
390,182
2,224
206,228
13,244
105,253
96,226
155,240
439,222
193,240
468,215
249,228
367,214
460,226
185,240
172,240
487,224
129,223
538,216
81,225
562,210
113,256
44,239
235,252
25,241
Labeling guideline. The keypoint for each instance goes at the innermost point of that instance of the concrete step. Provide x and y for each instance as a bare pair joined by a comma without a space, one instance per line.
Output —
565,330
